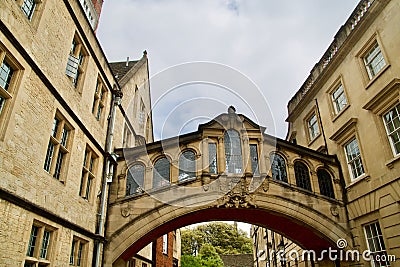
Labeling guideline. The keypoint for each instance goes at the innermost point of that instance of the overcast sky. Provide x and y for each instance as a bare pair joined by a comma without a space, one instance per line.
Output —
265,44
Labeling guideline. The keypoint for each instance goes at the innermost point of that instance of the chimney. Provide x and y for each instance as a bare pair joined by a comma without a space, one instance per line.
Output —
127,61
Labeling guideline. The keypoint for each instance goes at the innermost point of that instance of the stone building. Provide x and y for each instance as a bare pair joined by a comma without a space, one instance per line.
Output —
63,110
349,106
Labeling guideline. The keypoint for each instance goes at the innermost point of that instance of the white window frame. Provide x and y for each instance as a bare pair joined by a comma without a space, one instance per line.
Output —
377,241
396,131
165,244
353,172
313,126
32,10
337,101
374,60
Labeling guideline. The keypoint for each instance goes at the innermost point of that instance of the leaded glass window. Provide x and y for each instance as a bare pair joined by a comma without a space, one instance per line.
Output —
302,176
212,158
187,165
233,152
278,168
325,183
392,123
254,159
135,179
161,173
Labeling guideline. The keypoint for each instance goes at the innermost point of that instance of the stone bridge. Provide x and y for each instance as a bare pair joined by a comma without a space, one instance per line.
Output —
229,169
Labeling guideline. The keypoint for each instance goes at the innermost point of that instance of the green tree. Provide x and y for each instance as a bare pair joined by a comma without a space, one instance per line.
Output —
224,237
190,261
209,256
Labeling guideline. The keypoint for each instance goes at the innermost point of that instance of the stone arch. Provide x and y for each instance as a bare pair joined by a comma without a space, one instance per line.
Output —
310,228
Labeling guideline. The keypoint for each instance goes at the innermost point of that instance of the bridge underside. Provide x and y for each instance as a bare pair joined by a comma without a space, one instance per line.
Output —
300,233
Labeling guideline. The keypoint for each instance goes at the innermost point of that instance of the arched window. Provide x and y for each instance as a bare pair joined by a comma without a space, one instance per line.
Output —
187,165
233,152
135,179
325,183
161,173
302,176
278,168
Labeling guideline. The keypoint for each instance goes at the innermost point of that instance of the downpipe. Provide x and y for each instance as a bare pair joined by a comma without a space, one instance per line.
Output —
108,173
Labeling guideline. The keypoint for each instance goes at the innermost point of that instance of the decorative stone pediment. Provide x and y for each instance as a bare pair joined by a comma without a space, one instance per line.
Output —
239,195
232,120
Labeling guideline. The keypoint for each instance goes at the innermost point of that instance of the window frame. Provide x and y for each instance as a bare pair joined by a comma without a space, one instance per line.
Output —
327,190
89,170
60,146
184,169
212,165
36,257
272,160
255,161
303,180
34,18
368,79
352,178
380,238
373,70
99,100
140,187
397,130
9,95
165,244
78,254
162,182
309,126
237,158
79,56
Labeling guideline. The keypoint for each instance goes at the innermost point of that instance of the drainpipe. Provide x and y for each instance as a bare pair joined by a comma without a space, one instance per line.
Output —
110,159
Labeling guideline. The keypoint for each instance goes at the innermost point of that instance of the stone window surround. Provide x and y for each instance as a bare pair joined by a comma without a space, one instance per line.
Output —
375,39
78,48
89,168
306,120
38,245
381,103
79,251
59,148
342,137
33,21
335,85
99,100
10,94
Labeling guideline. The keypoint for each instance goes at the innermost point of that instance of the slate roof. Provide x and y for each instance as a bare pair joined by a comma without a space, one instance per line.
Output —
120,69
238,260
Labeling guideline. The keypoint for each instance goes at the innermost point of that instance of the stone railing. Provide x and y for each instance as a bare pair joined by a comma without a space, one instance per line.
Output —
355,18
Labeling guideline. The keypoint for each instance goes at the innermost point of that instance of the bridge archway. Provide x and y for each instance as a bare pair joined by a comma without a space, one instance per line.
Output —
304,215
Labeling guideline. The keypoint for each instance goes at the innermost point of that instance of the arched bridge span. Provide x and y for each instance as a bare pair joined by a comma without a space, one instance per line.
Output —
228,170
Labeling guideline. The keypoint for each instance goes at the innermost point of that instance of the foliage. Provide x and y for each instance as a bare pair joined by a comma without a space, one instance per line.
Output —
224,237
208,257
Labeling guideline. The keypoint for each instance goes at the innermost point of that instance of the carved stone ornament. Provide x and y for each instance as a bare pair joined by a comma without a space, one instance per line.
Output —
335,211
238,197
125,212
